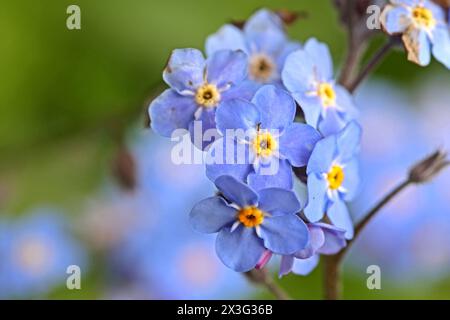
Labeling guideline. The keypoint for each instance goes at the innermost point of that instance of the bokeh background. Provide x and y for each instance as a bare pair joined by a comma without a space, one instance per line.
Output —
83,181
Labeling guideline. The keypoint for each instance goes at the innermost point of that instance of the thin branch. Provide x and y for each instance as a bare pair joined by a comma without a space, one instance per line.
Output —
370,66
262,277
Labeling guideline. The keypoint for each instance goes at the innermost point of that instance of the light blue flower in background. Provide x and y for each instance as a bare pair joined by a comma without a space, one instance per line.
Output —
272,142
308,75
35,252
248,223
333,177
423,28
263,39
197,87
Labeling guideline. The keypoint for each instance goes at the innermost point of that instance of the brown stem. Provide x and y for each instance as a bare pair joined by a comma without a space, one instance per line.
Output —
370,66
264,278
332,278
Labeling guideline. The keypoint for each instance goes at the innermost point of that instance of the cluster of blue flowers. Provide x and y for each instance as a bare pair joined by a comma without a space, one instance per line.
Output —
275,106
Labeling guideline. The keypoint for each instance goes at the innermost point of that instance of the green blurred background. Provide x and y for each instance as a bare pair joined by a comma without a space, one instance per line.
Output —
66,96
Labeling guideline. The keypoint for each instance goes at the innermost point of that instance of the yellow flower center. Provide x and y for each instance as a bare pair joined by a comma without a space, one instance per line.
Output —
423,17
327,94
261,67
335,177
264,144
207,95
250,217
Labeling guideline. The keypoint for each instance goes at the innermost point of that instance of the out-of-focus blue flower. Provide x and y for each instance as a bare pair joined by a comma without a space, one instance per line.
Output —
250,223
270,144
416,226
324,239
333,177
35,253
263,39
197,87
423,28
308,75
163,258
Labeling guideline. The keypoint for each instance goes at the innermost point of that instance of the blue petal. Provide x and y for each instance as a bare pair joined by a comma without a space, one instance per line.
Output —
297,143
348,142
321,56
322,156
276,175
211,215
289,47
298,72
304,267
395,19
340,217
185,70
286,265
334,239
316,240
417,45
228,37
237,114
345,102
351,180
317,198
311,107
171,111
236,191
437,11
277,201
276,106
226,68
206,122
441,45
244,90
285,234
239,250
332,123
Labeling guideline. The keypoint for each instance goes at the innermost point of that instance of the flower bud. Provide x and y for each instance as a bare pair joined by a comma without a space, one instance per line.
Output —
426,169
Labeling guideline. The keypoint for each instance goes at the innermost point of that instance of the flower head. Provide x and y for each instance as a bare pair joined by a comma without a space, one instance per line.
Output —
197,88
423,28
333,177
263,39
272,142
308,75
249,222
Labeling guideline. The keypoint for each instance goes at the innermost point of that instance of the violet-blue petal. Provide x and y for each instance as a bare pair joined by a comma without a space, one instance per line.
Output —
276,175
348,142
351,179
239,250
206,136
323,155
237,114
333,122
225,157
284,234
297,143
288,48
304,267
277,201
441,45
276,106
345,102
286,263
298,72
228,37
395,19
171,111
311,106
236,191
321,56
334,239
340,217
316,240
211,215
244,90
226,68
185,70
317,198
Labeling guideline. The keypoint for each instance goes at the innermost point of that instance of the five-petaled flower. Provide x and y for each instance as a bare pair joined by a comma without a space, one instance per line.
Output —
308,75
423,28
263,39
198,87
333,177
248,222
272,142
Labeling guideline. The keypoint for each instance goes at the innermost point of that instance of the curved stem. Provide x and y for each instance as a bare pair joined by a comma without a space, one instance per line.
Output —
262,277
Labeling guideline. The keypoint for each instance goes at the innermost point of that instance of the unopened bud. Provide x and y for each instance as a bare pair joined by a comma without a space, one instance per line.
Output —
429,167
